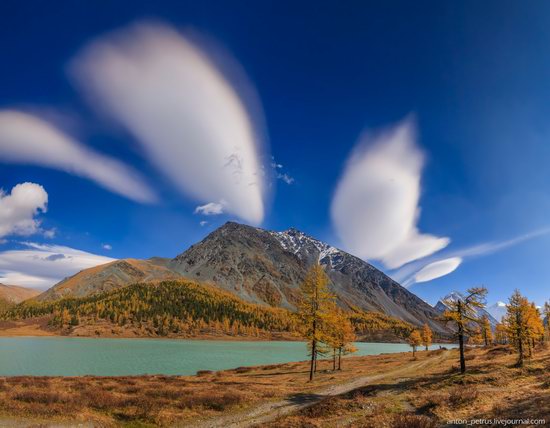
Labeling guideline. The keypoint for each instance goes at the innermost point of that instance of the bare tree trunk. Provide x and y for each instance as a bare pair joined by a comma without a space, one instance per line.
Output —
313,353
340,358
333,359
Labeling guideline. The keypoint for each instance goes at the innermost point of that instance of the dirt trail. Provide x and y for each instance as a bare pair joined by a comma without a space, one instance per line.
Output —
268,412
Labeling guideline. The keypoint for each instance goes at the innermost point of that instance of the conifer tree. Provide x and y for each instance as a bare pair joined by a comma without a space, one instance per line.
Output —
427,336
415,340
501,334
462,313
340,336
517,324
315,307
486,331
546,313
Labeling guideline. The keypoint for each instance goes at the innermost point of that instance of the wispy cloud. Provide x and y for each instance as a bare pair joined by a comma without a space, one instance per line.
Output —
190,120
27,139
41,266
280,174
375,207
18,209
107,247
211,208
447,263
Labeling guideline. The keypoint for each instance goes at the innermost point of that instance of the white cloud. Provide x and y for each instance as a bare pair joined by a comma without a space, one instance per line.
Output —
19,209
50,233
375,207
27,139
191,122
211,208
285,177
203,223
107,247
41,266
409,274
437,269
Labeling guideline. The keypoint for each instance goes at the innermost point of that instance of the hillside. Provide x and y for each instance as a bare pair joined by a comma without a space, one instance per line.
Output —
182,309
267,267
13,294
261,267
109,276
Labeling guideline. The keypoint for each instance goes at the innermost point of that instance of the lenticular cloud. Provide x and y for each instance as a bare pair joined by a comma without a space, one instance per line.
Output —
375,207
27,139
191,122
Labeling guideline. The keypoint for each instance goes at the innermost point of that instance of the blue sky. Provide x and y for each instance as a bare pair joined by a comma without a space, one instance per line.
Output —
451,97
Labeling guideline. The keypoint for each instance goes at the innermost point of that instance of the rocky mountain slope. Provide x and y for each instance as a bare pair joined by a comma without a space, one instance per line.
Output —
454,296
267,267
13,294
263,267
497,310
110,276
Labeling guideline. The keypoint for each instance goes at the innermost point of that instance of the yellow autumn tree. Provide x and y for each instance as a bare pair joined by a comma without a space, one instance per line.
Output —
314,310
461,313
427,336
415,340
546,313
517,324
486,330
501,334
340,336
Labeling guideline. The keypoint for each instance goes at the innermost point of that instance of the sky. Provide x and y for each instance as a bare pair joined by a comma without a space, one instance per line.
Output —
415,136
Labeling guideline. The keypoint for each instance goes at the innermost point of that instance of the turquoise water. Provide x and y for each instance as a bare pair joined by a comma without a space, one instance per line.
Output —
62,356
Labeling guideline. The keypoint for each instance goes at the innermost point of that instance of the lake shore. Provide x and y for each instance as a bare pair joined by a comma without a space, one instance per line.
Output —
370,391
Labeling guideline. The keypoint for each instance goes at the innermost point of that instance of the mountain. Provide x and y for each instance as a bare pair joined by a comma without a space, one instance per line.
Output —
267,267
13,294
455,296
110,276
262,267
497,311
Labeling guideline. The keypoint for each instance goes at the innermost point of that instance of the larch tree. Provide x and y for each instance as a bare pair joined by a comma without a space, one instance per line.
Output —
427,336
462,313
501,334
546,313
486,330
415,340
314,309
341,336
517,324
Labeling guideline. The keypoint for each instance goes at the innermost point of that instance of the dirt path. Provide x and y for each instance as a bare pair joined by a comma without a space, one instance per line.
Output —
268,412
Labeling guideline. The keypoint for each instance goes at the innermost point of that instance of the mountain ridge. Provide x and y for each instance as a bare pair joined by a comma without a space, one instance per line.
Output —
263,267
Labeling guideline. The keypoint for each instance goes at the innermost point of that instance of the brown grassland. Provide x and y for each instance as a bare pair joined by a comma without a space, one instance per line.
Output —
390,390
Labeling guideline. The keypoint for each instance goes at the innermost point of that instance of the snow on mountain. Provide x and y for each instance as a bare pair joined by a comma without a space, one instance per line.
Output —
455,296
498,310
303,246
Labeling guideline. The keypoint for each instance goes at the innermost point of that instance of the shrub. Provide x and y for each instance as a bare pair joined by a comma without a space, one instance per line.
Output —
407,420
462,395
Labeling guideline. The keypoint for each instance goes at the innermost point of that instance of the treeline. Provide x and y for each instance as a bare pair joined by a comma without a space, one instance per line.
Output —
186,308
522,327
178,307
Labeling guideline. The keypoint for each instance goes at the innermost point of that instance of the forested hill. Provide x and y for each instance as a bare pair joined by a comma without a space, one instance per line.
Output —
181,309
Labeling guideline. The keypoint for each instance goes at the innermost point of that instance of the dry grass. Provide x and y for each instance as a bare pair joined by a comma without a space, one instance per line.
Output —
165,400
493,387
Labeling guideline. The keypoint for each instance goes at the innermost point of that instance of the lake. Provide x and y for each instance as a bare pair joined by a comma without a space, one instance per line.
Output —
63,356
